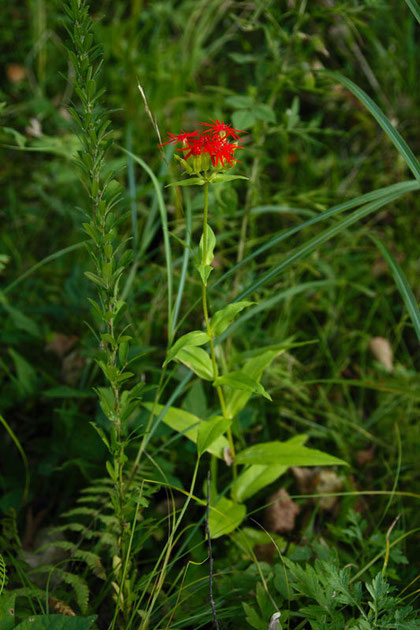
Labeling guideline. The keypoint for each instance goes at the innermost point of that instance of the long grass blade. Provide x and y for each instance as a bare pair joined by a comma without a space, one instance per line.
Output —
415,9
381,193
23,456
318,240
395,137
184,268
41,263
402,284
164,220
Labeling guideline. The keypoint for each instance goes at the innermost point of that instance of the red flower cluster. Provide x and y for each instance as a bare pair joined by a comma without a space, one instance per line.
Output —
214,142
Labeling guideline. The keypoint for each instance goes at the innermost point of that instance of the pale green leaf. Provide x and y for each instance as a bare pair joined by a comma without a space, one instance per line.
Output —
254,367
204,271
240,380
188,424
243,119
287,454
222,319
225,516
239,101
222,177
211,244
209,431
264,112
259,476
194,338
193,181
197,360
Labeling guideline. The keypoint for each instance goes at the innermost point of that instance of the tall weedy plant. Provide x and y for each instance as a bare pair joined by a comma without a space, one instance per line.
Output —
209,153
110,256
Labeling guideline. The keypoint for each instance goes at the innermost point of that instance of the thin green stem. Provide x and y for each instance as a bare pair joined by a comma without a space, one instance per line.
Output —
208,326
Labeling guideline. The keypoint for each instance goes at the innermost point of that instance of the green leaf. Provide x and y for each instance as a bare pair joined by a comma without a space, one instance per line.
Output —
242,381
286,454
239,101
264,112
236,399
209,431
253,618
211,244
96,279
395,137
188,424
7,610
259,476
204,271
243,119
26,375
64,391
194,338
56,622
225,516
223,177
222,319
193,181
197,360
402,284
414,8
20,320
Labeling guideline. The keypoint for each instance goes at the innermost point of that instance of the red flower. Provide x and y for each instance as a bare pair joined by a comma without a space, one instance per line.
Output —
212,142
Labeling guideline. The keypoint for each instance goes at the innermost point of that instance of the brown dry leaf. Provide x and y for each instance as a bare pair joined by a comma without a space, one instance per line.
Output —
328,482
227,456
61,607
34,128
382,351
61,344
366,456
15,72
280,515
72,367
306,478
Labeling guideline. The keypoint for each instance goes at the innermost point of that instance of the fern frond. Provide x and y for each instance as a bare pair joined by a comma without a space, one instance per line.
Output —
3,573
81,511
61,607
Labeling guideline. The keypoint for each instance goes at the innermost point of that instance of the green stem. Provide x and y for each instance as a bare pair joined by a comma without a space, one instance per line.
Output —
208,326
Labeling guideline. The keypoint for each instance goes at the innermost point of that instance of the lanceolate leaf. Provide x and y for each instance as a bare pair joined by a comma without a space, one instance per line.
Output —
188,424
287,454
211,244
194,338
209,431
223,318
237,399
225,516
193,181
258,476
197,360
242,381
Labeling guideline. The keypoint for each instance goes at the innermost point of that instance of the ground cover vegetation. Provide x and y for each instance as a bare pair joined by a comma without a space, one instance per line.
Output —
210,327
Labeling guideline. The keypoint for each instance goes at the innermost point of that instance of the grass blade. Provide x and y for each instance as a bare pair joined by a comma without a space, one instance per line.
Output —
381,193
318,240
415,9
395,137
402,284
164,220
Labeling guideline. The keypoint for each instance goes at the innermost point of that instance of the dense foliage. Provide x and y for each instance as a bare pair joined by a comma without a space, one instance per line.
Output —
209,356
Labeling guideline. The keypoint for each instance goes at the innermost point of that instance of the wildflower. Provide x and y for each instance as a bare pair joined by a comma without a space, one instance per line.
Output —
209,147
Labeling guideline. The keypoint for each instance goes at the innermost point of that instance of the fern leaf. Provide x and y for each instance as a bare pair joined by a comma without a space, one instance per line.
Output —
3,573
